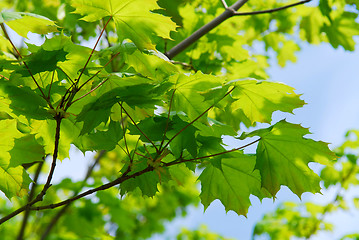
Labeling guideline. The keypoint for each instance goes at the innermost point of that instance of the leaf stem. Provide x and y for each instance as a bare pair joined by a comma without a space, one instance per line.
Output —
52,80
93,49
139,128
194,120
28,69
91,91
124,133
168,119
213,155
109,61
271,10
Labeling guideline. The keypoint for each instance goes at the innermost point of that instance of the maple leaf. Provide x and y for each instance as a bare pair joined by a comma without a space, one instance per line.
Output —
231,179
259,99
283,155
188,96
133,19
23,23
13,178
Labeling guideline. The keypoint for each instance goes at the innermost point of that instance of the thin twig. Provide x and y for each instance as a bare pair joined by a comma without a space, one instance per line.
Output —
139,154
93,49
4,77
168,120
124,133
59,214
139,128
208,156
271,10
30,197
194,120
91,91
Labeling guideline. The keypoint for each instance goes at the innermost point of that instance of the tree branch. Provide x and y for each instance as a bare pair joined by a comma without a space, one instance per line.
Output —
60,213
229,12
117,181
30,197
47,185
271,10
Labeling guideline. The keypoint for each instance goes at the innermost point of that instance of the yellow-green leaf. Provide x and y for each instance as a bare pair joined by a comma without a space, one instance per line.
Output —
133,18
14,181
23,23
259,99
283,155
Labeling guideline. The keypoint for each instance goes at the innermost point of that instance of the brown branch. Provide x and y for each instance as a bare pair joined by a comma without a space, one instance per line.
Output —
229,12
271,10
29,199
47,185
125,177
117,181
63,210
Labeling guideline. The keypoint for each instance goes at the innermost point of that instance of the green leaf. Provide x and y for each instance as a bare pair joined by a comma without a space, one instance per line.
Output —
231,180
44,131
26,150
188,96
153,127
342,30
185,140
22,102
48,55
259,99
283,155
101,140
23,23
14,181
141,95
133,18
147,182
152,64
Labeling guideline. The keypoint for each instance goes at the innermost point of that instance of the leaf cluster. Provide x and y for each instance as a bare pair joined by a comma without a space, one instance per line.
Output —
154,121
